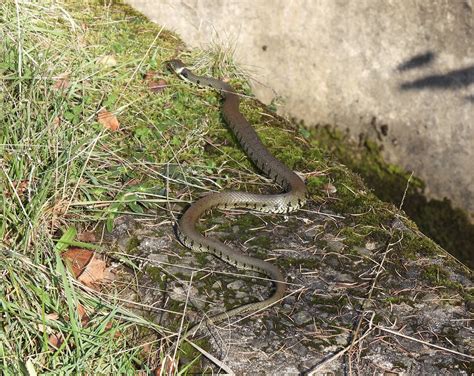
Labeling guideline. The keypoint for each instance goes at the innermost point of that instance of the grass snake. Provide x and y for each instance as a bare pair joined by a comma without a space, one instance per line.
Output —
293,198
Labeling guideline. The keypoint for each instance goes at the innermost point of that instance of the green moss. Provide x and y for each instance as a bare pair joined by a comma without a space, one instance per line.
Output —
188,355
132,245
439,277
415,246
201,258
156,274
448,226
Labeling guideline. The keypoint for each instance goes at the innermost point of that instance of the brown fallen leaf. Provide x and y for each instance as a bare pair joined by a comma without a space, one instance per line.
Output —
62,83
20,187
77,259
50,316
108,120
168,367
94,273
56,122
55,340
81,312
117,333
86,266
155,85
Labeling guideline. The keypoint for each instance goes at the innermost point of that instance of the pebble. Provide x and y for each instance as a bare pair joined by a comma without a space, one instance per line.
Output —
302,317
178,294
216,285
240,294
334,243
236,285
342,277
158,258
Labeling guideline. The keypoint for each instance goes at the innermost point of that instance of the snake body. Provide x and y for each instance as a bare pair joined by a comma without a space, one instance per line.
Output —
293,198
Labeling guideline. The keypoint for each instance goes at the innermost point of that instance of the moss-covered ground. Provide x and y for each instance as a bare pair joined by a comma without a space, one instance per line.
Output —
450,227
62,64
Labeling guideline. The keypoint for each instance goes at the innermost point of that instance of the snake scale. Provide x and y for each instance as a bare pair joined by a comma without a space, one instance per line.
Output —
293,198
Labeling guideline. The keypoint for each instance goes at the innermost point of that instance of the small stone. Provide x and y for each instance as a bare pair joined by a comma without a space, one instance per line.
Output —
178,294
335,244
302,317
158,258
240,294
311,232
300,349
371,245
269,324
431,297
363,251
216,285
236,285
341,277
341,339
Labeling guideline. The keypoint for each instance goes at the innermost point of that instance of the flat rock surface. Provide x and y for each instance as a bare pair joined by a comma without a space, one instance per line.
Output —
367,307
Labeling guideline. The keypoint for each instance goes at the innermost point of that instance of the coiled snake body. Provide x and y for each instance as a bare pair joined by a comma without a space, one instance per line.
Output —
293,198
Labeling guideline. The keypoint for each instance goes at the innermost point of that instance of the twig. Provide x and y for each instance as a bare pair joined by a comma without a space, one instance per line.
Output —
213,359
423,342
315,370
405,192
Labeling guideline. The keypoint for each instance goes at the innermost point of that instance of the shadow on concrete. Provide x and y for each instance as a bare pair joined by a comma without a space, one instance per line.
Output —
453,80
469,98
417,61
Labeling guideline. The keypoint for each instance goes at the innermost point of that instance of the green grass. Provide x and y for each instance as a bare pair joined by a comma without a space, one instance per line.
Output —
62,172
60,169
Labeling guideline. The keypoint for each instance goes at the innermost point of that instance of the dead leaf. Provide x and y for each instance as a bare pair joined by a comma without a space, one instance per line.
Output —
155,85
77,259
150,75
20,187
95,272
56,122
81,312
55,340
62,83
87,267
168,367
50,316
108,120
109,325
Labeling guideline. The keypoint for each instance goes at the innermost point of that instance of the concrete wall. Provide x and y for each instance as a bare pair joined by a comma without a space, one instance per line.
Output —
400,71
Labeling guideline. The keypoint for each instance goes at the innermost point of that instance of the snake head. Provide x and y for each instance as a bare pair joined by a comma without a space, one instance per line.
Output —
176,65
